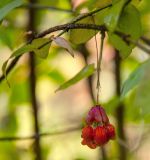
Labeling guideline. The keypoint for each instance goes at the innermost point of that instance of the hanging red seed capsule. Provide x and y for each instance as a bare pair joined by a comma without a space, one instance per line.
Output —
110,131
88,137
87,133
99,131
97,114
100,136
105,119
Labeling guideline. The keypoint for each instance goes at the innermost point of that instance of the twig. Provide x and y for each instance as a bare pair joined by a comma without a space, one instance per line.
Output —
145,40
21,138
128,40
38,36
68,26
51,30
143,48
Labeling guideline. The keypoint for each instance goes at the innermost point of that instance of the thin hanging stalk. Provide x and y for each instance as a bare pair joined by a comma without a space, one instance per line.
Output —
99,65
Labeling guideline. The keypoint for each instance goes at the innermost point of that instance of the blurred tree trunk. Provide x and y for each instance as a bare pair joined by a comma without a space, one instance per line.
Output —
120,108
32,76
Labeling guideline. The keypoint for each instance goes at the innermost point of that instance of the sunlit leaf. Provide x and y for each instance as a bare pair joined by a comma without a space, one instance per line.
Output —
41,47
115,1
120,45
8,7
142,98
4,66
131,108
113,15
144,7
139,100
99,17
136,2
56,76
78,36
35,46
6,35
135,78
63,43
84,73
98,4
129,24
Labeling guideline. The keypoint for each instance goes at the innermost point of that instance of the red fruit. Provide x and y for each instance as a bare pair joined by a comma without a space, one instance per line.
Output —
105,119
100,136
91,145
97,114
110,131
94,115
99,131
88,137
87,133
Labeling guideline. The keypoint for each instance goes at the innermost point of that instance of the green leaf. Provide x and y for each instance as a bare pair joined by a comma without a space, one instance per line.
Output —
84,73
6,36
135,78
8,7
115,1
4,66
112,104
113,15
142,98
136,2
98,4
34,46
78,36
100,16
144,7
43,51
129,24
131,108
56,76
19,88
139,100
